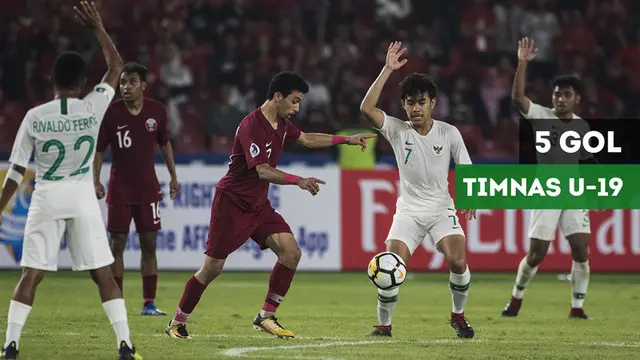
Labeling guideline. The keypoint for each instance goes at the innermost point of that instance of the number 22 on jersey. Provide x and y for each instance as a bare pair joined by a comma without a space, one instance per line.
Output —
82,169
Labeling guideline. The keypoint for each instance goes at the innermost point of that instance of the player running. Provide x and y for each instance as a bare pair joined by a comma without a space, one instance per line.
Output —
574,223
423,148
134,127
240,206
62,133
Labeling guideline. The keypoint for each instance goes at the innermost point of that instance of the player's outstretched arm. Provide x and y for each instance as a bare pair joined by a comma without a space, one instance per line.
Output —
275,176
87,14
316,140
526,52
368,105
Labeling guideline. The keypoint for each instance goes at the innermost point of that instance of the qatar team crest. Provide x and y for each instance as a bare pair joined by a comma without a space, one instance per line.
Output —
151,125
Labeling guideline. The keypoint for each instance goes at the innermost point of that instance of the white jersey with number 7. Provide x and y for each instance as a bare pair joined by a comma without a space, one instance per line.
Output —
424,162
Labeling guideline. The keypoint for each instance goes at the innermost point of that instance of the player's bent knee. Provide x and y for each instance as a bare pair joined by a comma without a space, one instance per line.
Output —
290,257
118,242
210,270
457,265
400,248
102,275
32,276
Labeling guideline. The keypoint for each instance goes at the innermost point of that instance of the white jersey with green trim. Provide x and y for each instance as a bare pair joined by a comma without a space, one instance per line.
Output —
424,162
61,134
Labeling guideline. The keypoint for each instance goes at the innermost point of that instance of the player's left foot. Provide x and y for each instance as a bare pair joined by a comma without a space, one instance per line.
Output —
149,309
462,326
128,353
10,352
578,313
270,324
381,330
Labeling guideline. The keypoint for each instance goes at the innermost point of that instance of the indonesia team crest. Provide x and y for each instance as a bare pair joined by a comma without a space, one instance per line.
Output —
151,125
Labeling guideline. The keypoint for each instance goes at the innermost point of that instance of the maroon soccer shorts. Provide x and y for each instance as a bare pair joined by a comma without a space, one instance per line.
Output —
230,227
146,217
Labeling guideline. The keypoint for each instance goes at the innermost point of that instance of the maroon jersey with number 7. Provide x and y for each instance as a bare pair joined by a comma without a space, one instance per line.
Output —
134,140
256,142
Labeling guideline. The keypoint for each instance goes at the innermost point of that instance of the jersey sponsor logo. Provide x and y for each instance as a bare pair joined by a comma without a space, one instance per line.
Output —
101,89
254,150
122,127
437,149
151,125
408,143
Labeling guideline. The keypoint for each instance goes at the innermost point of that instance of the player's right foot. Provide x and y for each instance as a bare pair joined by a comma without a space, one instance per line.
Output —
462,326
177,331
270,324
513,307
10,352
381,330
149,309
578,313
128,353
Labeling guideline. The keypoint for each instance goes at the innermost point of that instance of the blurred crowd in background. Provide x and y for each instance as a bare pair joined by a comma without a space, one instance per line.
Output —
211,61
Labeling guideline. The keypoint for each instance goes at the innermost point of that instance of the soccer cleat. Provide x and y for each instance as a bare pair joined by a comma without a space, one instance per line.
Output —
462,326
127,353
270,325
10,352
513,307
578,313
178,331
381,330
150,309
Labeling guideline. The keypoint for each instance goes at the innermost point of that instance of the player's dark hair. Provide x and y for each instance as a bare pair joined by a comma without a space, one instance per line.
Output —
417,85
568,81
135,68
285,83
68,70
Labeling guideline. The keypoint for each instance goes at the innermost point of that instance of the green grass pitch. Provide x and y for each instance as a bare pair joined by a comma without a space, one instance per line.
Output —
330,313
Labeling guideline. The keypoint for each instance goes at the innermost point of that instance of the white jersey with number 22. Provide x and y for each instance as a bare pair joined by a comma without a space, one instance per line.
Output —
62,135
424,162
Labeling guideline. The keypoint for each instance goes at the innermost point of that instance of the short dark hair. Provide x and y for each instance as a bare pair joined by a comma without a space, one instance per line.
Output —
418,84
568,81
285,83
68,70
135,68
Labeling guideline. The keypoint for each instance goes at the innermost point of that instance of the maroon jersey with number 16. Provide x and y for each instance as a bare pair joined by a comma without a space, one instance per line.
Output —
134,140
256,142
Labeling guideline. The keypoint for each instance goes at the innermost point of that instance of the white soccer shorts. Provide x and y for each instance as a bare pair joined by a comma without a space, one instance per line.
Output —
86,239
544,223
411,229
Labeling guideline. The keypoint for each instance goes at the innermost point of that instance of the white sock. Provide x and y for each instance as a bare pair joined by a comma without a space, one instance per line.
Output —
459,287
117,314
525,275
18,313
387,300
579,283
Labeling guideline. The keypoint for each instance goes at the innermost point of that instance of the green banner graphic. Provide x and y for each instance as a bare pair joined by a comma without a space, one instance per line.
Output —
513,186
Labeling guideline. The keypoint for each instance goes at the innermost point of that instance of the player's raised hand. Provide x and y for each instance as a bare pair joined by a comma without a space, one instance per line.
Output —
469,214
527,50
174,189
311,184
393,56
360,139
99,190
87,14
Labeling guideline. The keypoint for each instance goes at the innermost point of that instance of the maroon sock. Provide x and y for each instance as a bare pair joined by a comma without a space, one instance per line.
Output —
149,286
193,290
118,280
279,283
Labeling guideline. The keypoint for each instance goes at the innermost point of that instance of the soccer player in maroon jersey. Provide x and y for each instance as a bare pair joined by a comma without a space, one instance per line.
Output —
134,127
240,206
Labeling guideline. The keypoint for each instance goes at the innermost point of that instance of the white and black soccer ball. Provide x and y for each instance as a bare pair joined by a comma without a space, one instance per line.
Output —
387,270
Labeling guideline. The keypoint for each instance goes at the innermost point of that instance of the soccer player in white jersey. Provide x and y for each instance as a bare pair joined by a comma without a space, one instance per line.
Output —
423,148
543,224
62,135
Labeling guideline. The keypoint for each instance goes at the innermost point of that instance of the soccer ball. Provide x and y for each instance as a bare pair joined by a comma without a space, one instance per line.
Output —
387,270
